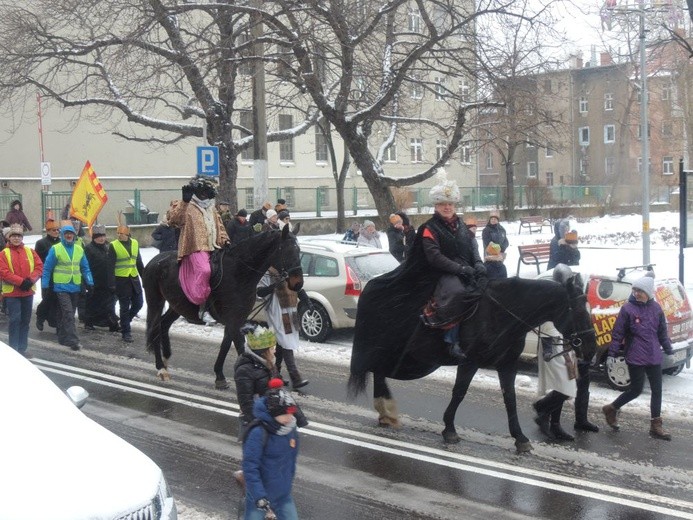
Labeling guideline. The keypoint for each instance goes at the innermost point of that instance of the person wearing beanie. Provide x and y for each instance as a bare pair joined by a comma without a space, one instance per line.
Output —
284,219
201,232
270,452
46,309
164,237
239,227
16,215
128,267
352,234
409,232
280,205
271,221
641,331
472,224
368,235
495,233
3,225
560,227
66,266
568,252
20,268
395,237
258,217
99,310
283,319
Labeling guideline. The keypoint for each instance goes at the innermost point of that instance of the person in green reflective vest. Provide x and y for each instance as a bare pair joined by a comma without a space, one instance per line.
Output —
128,268
66,265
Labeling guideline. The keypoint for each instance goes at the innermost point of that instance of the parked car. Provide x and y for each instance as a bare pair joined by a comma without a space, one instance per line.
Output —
59,464
606,294
334,273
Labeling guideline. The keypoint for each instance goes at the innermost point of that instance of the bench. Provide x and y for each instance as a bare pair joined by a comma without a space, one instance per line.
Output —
533,254
534,223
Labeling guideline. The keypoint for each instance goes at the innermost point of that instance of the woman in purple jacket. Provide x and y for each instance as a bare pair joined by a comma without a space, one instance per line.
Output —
640,329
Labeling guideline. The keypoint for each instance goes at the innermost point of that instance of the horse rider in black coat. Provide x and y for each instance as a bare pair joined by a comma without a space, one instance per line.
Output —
239,227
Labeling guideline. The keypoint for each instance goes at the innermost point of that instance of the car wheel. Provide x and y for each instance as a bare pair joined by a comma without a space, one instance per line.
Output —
617,374
673,371
315,324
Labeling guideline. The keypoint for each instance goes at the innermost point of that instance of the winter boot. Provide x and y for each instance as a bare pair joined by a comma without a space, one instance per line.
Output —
656,430
388,412
296,380
581,421
544,407
555,428
611,416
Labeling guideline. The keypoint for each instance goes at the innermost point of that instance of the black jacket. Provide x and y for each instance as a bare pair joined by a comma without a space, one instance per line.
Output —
495,233
395,239
101,264
44,245
166,238
238,231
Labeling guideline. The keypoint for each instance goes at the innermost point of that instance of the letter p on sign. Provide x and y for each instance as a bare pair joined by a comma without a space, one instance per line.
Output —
208,160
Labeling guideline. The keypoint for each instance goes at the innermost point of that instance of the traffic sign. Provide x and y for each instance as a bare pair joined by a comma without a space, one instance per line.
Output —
46,174
208,160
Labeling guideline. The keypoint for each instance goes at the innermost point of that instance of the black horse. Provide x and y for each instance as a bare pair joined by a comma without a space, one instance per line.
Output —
494,337
233,292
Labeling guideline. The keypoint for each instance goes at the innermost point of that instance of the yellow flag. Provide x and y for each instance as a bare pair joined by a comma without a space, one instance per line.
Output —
88,197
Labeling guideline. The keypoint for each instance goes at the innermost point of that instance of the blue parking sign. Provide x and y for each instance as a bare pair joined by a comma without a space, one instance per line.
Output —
208,160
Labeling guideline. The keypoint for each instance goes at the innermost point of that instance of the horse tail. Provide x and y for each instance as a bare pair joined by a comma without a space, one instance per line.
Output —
356,384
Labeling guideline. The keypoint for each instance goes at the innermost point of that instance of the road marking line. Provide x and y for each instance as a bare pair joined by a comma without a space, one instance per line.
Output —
373,442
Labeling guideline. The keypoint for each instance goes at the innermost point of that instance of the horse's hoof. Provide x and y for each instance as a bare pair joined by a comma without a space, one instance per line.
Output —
523,446
450,437
163,375
221,384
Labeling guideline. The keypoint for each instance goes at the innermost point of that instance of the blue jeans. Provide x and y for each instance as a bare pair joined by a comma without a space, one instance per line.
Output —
637,381
285,510
19,311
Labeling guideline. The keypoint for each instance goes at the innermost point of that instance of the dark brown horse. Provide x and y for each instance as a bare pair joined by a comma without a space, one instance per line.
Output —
494,337
233,292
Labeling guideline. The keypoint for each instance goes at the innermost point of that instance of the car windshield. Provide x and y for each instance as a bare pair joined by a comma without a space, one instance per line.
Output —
371,265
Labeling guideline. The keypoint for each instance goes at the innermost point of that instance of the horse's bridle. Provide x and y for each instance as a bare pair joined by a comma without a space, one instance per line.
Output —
573,343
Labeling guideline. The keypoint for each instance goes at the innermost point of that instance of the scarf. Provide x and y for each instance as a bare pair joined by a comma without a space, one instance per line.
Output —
286,429
208,210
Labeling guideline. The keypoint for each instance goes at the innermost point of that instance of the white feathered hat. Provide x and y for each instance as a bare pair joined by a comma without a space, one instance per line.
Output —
445,190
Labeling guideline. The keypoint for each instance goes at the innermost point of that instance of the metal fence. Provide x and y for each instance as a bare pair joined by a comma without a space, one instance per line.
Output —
148,206
5,200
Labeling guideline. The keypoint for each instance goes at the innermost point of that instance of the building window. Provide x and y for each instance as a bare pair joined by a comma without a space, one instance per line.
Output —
532,170
584,135
609,133
609,101
286,147
583,167
416,146
549,150
639,96
321,155
359,88
414,20
440,88
465,91
668,166
609,166
465,154
549,178
667,129
649,162
583,105
284,55
441,146
489,161
417,90
250,198
245,67
666,92
547,86
390,153
649,133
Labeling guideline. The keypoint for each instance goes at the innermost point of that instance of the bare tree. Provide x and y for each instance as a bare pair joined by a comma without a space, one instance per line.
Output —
150,71
360,61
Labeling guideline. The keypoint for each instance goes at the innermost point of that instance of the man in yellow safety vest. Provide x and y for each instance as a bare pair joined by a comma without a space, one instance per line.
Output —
65,265
128,288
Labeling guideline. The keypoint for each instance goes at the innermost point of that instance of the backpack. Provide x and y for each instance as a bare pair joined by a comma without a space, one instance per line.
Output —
252,424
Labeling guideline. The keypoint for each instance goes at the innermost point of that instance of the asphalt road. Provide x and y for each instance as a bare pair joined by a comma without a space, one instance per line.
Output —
351,469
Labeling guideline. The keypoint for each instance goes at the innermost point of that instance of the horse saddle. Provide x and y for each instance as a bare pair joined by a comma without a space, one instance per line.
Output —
453,301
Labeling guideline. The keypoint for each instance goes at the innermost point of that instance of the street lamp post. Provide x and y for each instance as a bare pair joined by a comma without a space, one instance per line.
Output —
644,101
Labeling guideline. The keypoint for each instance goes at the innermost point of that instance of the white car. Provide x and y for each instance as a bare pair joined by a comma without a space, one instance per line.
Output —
58,464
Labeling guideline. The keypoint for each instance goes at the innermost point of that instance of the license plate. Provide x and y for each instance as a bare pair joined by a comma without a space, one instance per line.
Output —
679,356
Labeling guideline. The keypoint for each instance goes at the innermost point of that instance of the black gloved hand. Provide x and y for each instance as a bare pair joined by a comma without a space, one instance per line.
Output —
466,273
26,284
187,192
480,270
266,291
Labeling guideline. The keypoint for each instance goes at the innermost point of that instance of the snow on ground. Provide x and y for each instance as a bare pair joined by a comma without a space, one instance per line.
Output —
606,243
